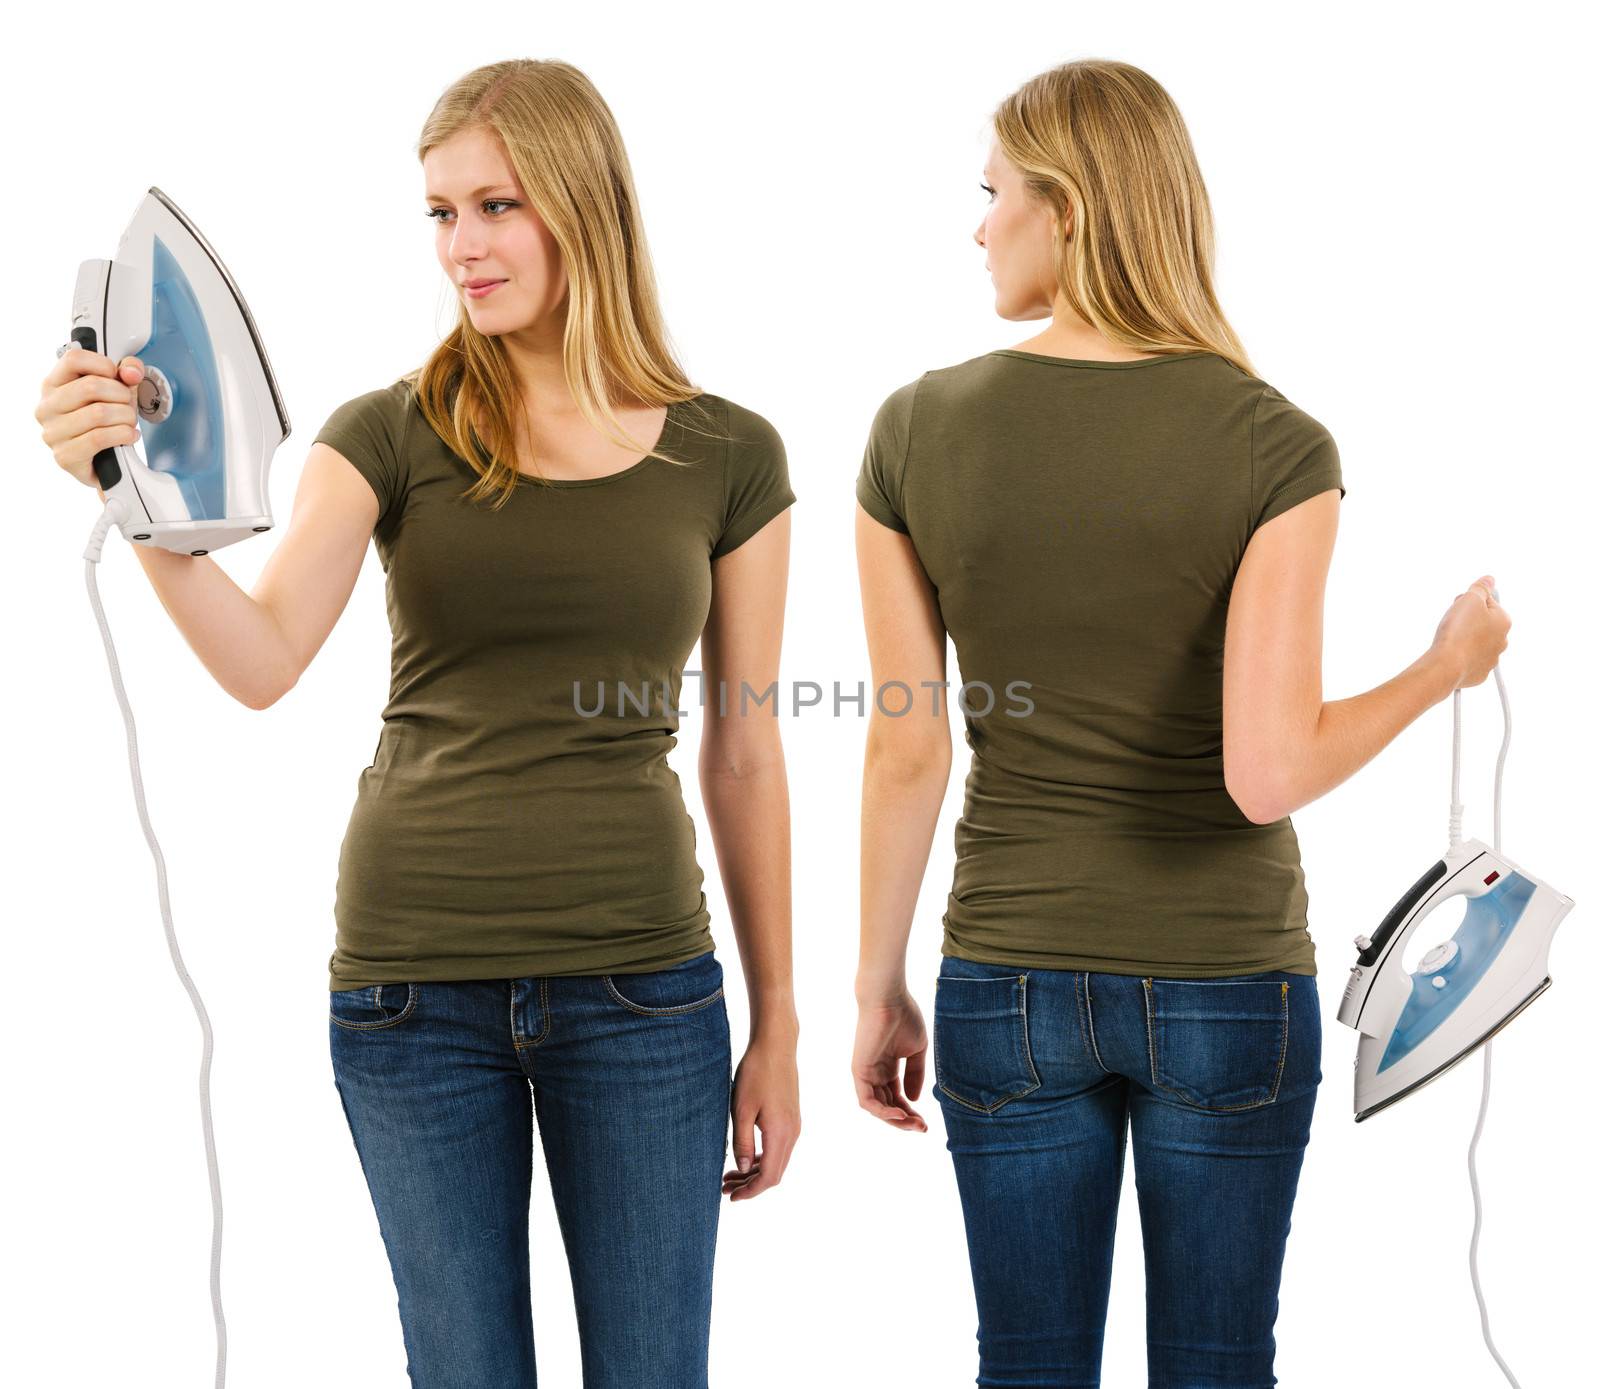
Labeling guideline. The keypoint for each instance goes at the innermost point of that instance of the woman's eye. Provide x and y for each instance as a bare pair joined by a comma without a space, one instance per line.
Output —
987,189
433,213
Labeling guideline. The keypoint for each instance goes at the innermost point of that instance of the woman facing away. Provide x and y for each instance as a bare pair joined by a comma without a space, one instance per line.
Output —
1127,534
518,896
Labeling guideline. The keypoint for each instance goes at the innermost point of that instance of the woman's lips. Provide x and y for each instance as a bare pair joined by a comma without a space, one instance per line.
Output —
486,289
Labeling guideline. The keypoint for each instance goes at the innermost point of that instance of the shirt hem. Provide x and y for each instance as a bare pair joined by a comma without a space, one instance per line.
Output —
1294,963
533,964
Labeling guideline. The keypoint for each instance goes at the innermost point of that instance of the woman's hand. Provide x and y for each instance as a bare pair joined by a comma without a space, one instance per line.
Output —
1473,633
86,404
886,1032
766,1095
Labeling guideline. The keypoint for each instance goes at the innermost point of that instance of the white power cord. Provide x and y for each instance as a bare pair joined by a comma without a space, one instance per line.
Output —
1488,1047
116,513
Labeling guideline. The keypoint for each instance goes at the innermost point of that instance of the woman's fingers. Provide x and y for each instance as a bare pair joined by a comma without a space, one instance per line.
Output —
914,1072
885,1100
744,1139
777,1143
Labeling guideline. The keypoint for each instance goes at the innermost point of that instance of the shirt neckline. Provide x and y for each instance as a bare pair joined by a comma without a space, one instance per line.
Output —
640,465
1086,362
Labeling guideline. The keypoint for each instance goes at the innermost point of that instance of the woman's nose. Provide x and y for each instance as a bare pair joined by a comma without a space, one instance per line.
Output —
466,244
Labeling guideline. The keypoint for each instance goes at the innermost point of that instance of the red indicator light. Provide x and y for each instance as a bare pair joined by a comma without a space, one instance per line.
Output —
1491,877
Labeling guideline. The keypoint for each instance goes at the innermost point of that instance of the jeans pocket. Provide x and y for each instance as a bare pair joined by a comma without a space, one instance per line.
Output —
1218,1044
981,1056
681,988
373,1006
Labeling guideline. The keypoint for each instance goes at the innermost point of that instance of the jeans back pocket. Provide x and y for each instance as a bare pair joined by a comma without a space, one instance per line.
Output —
981,1056
1218,1044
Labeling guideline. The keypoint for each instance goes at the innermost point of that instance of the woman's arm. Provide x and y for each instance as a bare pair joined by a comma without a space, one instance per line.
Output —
745,789
257,645
1283,747
903,786
307,581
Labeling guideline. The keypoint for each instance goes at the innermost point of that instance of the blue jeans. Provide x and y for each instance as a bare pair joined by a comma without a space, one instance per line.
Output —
1039,1073
630,1078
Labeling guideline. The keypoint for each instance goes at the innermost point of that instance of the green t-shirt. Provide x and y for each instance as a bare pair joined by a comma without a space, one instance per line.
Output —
511,824
1082,523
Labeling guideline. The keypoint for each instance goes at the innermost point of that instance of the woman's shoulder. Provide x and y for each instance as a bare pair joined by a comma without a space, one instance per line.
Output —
379,411
741,425
385,405
398,392
1206,375
754,468
893,413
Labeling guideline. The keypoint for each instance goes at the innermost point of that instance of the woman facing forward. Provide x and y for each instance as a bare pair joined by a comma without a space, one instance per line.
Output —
521,925
1127,534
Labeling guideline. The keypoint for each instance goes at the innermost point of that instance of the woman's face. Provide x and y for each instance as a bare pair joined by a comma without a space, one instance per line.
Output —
1016,235
487,230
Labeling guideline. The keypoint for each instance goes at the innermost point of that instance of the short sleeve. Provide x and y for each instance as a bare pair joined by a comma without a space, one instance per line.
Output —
1292,457
880,485
369,431
755,483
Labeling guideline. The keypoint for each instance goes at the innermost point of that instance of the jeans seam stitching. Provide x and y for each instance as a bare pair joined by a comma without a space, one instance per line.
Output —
659,1012
1093,1041
544,1019
1283,1053
1027,1042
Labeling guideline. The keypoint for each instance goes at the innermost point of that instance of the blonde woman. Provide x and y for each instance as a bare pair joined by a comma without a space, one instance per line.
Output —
520,922
1127,533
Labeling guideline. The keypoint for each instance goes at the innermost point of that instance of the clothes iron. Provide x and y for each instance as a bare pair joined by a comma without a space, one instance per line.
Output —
210,415
1415,1026
210,418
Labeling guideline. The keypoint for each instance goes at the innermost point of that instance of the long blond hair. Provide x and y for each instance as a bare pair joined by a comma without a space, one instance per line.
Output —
1105,139
560,137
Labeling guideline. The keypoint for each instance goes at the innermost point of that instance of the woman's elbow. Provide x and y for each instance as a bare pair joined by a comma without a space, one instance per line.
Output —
908,754
741,754
269,690
1260,801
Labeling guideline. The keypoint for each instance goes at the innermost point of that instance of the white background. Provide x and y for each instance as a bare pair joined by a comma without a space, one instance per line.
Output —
1406,248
